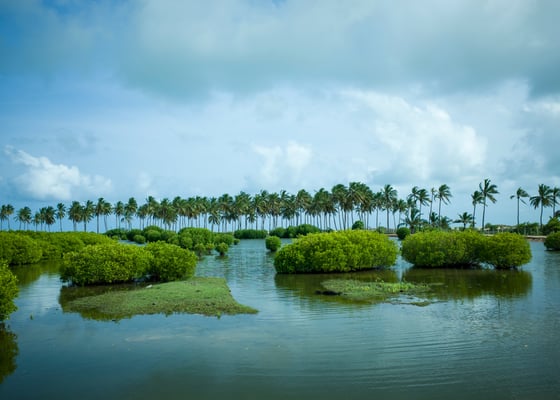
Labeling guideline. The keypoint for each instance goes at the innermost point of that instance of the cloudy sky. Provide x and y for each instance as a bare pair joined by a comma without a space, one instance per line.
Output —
124,98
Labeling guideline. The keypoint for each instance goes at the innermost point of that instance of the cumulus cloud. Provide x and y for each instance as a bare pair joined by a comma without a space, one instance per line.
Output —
43,179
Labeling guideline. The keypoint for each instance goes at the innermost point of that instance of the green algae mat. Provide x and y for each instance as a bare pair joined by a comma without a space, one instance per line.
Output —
207,296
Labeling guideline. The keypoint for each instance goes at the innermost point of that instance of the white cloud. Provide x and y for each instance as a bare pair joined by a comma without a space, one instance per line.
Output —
42,179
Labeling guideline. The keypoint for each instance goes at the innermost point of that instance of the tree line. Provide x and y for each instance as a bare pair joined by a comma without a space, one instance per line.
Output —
336,209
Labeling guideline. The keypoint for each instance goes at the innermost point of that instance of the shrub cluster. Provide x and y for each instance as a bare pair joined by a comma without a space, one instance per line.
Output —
342,251
552,226
170,262
8,291
552,241
119,263
250,234
465,248
19,249
272,243
294,231
403,232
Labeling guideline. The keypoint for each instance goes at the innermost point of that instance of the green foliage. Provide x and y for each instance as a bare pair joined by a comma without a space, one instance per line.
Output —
358,225
553,225
280,232
9,350
272,243
222,248
226,238
119,233
343,251
19,249
170,262
152,235
294,231
132,233
552,241
8,291
506,250
465,248
403,232
105,263
140,239
250,234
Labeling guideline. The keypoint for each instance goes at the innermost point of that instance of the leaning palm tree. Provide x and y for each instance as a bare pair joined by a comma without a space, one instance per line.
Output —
443,194
487,190
542,199
520,194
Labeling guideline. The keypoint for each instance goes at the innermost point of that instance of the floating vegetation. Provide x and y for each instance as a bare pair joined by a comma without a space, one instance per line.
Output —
374,292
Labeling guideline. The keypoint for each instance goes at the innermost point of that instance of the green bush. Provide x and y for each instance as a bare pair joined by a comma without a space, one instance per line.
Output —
343,251
170,262
152,235
358,225
222,248
119,233
403,232
553,225
506,250
280,232
226,238
132,233
465,248
105,263
19,249
272,243
250,234
8,291
140,239
552,241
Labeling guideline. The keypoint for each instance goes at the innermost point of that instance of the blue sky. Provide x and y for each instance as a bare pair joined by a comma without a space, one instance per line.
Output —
116,99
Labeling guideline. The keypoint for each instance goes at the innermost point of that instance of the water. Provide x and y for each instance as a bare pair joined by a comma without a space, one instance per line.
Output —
485,335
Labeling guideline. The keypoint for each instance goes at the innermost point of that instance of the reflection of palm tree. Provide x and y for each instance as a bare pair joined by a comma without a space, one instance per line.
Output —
443,195
520,194
487,190
543,199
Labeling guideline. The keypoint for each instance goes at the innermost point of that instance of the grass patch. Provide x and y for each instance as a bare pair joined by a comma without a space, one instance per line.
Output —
206,296
374,292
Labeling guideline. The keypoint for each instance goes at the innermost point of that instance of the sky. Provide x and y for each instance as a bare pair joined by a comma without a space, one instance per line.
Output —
165,98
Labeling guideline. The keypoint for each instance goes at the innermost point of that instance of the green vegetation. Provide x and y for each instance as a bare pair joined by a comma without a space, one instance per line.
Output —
105,263
552,241
8,291
273,243
343,251
403,232
294,231
250,234
377,291
465,248
170,262
18,249
358,225
206,296
553,225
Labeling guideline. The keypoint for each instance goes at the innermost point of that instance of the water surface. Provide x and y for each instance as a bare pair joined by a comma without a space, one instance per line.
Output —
485,334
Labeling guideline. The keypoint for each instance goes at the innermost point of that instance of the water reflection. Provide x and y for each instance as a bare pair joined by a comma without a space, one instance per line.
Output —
8,352
27,274
457,284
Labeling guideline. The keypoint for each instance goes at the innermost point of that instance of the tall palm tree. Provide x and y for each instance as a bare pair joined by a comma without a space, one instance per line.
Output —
464,219
488,190
443,194
303,202
555,198
75,214
130,209
5,212
98,210
389,198
49,216
60,213
476,198
413,220
520,194
542,199
118,210
24,217
88,210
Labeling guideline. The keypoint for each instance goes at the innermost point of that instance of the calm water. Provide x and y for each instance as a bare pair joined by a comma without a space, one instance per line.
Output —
485,335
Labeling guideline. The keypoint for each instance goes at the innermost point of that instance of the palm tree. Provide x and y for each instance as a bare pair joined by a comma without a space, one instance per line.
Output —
443,194
75,214
130,209
303,202
520,194
476,198
389,198
487,190
555,197
49,216
60,213
543,199
5,212
118,209
87,213
413,220
465,219
420,197
23,215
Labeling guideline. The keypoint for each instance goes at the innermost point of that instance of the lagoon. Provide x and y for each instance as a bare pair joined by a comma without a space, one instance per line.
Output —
483,334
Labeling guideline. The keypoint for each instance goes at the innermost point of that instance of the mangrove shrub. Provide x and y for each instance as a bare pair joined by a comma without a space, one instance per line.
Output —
170,262
506,250
250,234
8,291
342,251
552,241
105,263
19,249
272,243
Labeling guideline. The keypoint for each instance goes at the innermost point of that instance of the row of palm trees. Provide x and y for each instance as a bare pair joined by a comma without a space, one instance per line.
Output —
336,209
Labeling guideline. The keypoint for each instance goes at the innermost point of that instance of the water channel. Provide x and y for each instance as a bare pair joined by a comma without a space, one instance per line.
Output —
483,334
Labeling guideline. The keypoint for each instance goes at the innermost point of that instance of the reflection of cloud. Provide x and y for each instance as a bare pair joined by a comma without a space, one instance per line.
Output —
43,179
